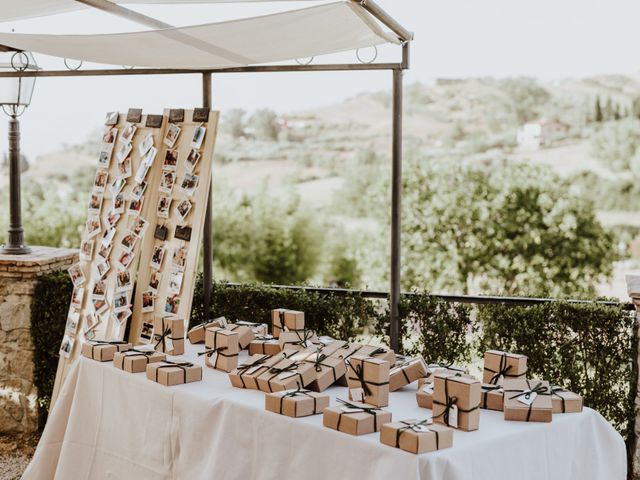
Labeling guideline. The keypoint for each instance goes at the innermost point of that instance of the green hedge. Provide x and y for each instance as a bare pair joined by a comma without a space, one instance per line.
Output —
586,347
340,316
48,319
439,331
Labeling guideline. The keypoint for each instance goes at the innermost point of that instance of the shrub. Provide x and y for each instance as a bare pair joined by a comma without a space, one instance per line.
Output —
431,327
341,316
586,348
267,239
48,319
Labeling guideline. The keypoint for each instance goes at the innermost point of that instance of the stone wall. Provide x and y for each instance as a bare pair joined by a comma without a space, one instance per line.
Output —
18,276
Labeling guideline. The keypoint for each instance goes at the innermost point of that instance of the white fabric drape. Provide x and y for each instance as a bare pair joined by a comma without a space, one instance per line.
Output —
23,9
110,424
307,32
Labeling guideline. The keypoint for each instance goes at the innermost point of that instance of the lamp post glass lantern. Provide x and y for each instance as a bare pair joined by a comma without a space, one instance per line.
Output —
15,97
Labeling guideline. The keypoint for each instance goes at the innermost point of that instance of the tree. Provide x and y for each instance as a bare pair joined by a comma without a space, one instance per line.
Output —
616,112
233,122
635,107
527,97
266,239
617,143
264,123
51,217
512,230
344,271
598,116
607,111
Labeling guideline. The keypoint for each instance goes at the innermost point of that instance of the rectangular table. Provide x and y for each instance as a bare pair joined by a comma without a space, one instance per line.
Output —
109,424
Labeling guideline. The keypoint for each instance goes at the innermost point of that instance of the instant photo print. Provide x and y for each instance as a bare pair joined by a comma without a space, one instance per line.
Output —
173,132
160,232
111,118
128,132
198,137
183,233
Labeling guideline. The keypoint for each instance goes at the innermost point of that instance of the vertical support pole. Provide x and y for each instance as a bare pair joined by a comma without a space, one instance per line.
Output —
633,440
207,236
15,238
396,194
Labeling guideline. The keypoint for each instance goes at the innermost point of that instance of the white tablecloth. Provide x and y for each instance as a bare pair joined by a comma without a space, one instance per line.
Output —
109,424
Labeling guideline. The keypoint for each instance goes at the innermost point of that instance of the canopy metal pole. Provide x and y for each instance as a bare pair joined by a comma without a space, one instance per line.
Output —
396,194
94,72
208,220
376,10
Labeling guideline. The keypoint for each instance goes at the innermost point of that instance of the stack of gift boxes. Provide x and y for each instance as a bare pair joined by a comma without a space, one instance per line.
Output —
293,367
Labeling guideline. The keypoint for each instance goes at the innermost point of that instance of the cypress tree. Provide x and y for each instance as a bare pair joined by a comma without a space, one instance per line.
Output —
598,117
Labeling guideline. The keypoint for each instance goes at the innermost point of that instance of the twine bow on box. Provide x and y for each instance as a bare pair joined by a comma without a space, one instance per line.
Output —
417,427
101,343
181,365
242,369
302,341
295,393
486,389
359,372
139,353
539,389
449,403
371,410
503,370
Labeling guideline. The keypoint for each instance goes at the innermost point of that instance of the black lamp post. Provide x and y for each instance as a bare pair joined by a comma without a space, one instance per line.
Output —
15,97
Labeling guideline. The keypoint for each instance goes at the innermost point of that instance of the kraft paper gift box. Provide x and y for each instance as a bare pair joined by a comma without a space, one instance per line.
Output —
381,353
265,345
456,401
285,375
350,349
245,376
491,397
245,334
299,340
327,370
174,373
564,401
527,401
283,319
103,351
355,418
424,396
347,350
416,436
329,345
222,349
406,372
136,361
296,403
256,328
434,368
168,333
500,366
197,333
372,376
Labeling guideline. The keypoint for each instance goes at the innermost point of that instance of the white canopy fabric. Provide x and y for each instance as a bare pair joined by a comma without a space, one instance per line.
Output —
302,33
22,9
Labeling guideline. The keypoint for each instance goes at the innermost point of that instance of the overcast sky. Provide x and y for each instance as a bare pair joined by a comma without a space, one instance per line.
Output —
547,39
